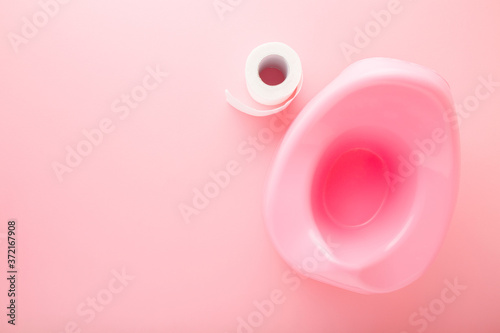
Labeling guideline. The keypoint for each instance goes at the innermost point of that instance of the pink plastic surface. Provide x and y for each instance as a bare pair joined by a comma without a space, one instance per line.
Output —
367,177
119,208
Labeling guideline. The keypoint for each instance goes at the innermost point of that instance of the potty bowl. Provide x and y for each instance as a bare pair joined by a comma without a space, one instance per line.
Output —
361,191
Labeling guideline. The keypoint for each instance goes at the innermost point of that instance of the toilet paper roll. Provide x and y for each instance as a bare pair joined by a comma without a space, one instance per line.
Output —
270,55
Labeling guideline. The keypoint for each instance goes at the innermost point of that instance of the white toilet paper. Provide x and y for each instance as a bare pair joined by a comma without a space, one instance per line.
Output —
274,55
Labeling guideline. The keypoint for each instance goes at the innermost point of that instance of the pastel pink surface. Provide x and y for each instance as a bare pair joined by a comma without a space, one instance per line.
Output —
370,166
120,207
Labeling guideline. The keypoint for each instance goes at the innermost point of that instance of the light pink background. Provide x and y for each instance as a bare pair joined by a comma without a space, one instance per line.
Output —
119,209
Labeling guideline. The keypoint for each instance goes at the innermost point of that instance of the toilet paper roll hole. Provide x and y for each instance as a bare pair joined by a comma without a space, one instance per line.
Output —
273,70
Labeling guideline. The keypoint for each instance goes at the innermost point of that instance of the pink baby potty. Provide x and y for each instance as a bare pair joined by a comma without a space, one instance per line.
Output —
362,189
